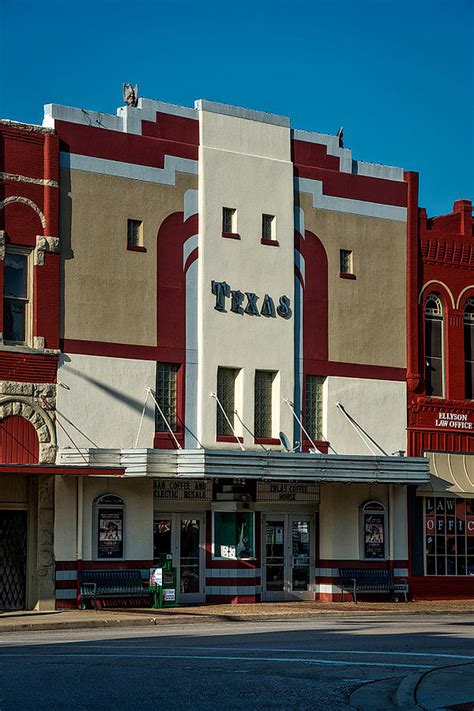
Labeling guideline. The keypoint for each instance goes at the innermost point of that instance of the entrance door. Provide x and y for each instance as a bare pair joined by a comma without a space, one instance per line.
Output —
12,560
182,536
288,547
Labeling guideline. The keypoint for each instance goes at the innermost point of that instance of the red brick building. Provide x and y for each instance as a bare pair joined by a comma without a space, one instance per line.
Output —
440,376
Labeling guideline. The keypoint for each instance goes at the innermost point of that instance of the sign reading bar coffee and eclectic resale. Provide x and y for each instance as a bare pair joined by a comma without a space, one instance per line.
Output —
288,492
182,489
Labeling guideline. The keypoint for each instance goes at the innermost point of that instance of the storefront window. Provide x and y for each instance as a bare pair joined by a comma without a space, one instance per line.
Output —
373,530
449,536
110,511
234,535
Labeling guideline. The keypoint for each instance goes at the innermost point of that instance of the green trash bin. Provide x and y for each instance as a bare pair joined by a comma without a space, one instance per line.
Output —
163,584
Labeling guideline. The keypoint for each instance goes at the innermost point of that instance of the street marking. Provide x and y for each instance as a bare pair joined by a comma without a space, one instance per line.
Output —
208,657
288,651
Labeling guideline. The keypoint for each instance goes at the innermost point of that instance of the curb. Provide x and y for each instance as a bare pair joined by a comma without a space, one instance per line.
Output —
164,620
405,696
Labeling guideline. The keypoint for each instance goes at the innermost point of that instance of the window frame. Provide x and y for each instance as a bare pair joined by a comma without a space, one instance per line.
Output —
272,240
268,438
346,273
445,535
27,301
320,381
442,321
100,505
176,420
365,510
213,539
219,415
138,247
233,233
468,323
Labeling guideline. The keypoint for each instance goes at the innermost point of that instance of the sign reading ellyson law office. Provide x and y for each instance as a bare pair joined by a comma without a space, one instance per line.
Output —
287,492
453,421
182,489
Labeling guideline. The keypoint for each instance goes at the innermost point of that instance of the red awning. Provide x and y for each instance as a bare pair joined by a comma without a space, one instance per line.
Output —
60,470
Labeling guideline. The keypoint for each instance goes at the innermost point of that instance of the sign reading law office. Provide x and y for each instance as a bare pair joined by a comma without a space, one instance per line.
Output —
182,489
449,420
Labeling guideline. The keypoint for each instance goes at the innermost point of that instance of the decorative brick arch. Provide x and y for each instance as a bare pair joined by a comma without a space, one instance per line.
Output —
18,406
25,201
19,442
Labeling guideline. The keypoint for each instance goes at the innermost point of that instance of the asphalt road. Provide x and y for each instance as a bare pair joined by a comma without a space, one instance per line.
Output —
302,664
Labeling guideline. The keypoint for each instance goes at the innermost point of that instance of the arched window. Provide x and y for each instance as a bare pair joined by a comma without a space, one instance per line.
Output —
469,349
434,366
109,511
373,524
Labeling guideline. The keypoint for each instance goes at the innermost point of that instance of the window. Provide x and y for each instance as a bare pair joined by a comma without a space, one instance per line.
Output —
110,528
313,416
449,536
229,220
373,530
268,228
234,535
226,378
134,233
166,396
469,349
345,261
263,426
16,294
434,346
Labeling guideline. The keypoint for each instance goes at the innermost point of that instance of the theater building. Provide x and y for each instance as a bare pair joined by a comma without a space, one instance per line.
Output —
440,318
233,339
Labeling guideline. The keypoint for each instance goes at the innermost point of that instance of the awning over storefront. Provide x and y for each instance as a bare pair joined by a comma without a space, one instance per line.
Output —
275,465
60,470
450,473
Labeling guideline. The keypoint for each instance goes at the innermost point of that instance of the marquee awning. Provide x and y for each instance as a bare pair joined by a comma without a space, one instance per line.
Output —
272,464
60,470
450,473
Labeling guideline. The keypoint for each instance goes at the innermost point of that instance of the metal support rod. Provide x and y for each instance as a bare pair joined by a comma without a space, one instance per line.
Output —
141,418
290,405
362,433
228,421
150,391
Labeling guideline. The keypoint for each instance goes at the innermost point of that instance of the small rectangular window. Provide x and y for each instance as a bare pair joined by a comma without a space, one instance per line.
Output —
166,396
313,416
234,535
268,227
345,261
16,297
134,233
229,220
263,426
226,378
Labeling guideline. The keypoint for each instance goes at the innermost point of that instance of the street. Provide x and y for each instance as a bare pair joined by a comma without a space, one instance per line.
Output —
294,664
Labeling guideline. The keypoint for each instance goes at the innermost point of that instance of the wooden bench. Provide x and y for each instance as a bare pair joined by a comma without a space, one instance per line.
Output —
97,584
369,580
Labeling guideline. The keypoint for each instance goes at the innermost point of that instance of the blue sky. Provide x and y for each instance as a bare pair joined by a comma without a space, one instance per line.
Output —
397,75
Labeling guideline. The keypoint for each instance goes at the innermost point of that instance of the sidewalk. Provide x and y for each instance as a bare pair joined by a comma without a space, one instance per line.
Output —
88,619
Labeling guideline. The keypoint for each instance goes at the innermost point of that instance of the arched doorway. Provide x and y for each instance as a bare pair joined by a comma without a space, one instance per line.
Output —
19,444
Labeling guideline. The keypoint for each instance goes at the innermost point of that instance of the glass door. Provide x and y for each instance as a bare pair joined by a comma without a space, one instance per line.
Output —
190,569
274,548
182,537
288,552
301,576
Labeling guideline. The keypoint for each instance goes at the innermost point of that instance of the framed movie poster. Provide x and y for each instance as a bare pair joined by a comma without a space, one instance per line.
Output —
373,530
110,533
